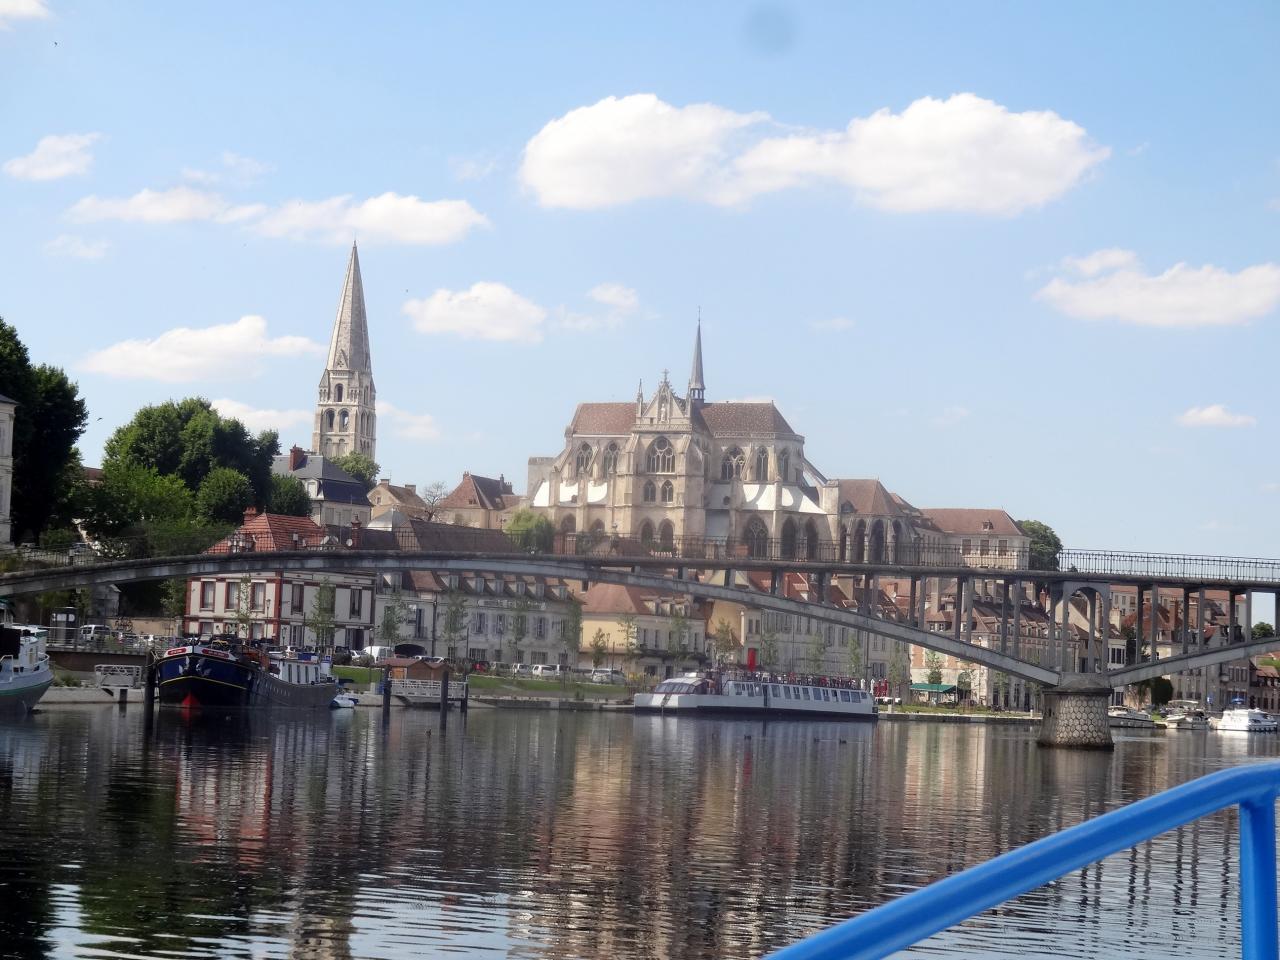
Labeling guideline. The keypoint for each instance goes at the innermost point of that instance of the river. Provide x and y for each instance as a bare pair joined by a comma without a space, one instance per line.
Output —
535,834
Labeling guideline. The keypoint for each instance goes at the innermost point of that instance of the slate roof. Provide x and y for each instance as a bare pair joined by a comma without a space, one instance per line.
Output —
336,485
871,498
4,399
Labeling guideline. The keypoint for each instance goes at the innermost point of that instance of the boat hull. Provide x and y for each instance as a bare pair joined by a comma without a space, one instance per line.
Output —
203,680
721,705
20,695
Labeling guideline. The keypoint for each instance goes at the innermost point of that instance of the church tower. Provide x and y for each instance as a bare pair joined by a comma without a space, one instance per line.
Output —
345,414
696,387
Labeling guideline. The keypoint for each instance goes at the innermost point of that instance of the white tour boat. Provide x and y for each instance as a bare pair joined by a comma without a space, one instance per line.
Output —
25,670
759,694
1250,721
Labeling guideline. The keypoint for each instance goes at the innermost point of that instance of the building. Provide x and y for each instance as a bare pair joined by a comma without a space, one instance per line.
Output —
387,496
7,414
668,630
346,415
479,502
336,496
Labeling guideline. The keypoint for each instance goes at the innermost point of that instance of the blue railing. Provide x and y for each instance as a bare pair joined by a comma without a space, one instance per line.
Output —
912,918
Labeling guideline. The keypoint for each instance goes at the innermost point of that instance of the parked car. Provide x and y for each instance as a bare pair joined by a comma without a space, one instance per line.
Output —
548,671
481,666
499,667
521,670
98,633
601,675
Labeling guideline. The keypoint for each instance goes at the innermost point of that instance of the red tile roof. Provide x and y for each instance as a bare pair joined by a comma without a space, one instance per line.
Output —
963,520
870,497
475,491
732,419
603,419
274,531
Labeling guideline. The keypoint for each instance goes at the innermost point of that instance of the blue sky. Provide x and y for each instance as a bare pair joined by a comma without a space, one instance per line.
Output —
1021,255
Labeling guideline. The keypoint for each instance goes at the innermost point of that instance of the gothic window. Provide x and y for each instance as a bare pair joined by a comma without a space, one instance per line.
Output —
789,539
757,538
810,541
650,492
731,465
582,463
661,458
344,421
762,465
668,492
646,533
328,419
567,525
611,460
667,536
337,393
784,467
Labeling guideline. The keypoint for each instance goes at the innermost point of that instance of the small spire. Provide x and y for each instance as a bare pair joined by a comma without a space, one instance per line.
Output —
697,389
640,391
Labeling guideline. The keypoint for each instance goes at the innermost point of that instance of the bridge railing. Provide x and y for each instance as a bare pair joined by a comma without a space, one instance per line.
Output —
1158,566
910,919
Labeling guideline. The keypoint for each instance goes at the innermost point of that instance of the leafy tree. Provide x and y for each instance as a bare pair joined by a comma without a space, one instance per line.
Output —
680,632
320,618
288,496
224,496
964,680
519,625
531,531
173,601
769,649
361,466
1045,545
629,630
933,662
395,615
189,439
129,494
899,667
454,627
723,640
571,632
242,616
599,647
1262,630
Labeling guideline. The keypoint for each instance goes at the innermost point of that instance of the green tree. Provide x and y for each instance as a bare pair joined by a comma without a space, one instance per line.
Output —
519,625
628,630
242,616
933,663
769,649
964,681
1045,545
320,618
571,632
189,439
855,655
395,614
599,647
679,632
360,465
899,668
288,496
531,531
173,602
454,627
724,642
129,494
224,496
1262,630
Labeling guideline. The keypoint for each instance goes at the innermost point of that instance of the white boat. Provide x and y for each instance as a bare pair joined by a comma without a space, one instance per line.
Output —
1130,717
1249,721
1187,720
344,701
25,670
759,694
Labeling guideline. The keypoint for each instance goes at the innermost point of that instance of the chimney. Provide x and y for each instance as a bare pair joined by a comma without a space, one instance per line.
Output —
355,534
411,487
296,456
382,480
250,514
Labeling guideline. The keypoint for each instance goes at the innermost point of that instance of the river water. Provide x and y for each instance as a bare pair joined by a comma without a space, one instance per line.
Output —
534,834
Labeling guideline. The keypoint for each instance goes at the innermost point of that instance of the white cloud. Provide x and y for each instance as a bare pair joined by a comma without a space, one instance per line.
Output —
473,168
960,154
225,351
1214,415
55,156
487,311
235,168
832,324
1115,287
614,295
950,416
410,426
389,218
22,10
258,420
67,245
1270,488
175,205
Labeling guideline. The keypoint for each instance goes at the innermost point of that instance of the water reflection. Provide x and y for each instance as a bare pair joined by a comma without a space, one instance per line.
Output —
545,835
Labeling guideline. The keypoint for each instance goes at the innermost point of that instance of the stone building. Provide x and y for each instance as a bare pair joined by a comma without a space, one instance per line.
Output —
346,415
336,496
7,408
479,502
671,633
387,496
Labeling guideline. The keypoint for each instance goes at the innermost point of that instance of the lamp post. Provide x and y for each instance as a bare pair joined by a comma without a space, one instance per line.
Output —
434,602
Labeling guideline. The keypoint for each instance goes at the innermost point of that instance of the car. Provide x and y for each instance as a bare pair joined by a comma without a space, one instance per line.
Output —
521,670
481,666
602,675
499,667
97,633
548,671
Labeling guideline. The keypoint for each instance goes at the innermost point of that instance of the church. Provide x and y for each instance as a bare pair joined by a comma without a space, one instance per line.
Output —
346,418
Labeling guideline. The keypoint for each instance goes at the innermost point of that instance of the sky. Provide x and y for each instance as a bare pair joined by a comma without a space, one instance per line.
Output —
1018,255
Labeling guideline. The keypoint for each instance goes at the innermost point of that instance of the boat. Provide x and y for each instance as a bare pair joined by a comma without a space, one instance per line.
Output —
1130,718
1187,715
231,673
344,701
25,670
1244,719
758,694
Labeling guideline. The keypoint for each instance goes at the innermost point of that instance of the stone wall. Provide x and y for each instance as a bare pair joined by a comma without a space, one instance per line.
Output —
1076,720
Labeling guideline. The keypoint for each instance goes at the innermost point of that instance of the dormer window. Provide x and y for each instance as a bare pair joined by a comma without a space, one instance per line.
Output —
988,525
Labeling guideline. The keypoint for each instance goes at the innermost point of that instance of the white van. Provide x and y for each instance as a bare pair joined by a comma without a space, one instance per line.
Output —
548,671
95,633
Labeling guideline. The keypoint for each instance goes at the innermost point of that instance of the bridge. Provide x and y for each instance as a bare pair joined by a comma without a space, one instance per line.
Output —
1073,671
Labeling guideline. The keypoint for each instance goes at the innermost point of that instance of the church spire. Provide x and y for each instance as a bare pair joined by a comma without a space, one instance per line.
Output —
349,345
696,387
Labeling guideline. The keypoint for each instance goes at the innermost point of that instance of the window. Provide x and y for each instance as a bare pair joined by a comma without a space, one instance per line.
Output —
477,653
328,419
650,492
668,492
207,588
582,462
258,597
537,656
539,628
661,457
762,465
1002,547
344,421
784,466
337,393
610,463
297,598
984,546
966,547
481,622
500,623
357,600
731,465
646,533
233,595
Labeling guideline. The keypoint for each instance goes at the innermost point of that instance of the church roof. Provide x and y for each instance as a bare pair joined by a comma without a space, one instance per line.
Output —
349,345
474,491
978,521
870,497
603,419
733,418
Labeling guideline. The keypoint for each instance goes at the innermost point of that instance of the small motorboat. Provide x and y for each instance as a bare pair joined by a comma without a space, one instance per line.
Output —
1246,720
1187,720
344,701
1130,717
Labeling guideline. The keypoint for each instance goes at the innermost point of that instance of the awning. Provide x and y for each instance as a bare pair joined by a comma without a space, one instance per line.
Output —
933,687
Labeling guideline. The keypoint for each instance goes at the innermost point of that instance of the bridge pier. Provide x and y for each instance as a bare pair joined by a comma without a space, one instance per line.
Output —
1075,713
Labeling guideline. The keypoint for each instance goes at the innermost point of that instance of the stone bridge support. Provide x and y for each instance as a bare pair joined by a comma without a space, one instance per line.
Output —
1075,713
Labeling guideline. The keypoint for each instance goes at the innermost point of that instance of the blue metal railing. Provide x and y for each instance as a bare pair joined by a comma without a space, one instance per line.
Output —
921,914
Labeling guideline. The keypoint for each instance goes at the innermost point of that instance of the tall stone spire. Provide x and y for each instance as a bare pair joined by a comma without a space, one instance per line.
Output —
696,387
346,418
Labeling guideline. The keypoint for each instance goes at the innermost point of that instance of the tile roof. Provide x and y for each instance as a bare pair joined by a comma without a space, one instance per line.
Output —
408,500
733,418
870,497
603,419
966,520
274,531
476,491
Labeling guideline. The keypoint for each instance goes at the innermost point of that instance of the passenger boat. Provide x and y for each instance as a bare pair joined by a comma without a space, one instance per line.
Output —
759,694
25,670
228,673
1249,721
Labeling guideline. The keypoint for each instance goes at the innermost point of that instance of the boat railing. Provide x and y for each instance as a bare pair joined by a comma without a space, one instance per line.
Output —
900,923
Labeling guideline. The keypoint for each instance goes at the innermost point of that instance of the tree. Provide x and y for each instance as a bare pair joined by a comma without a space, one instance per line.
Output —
454,627
288,496
629,629
395,615
224,496
243,608
679,632
1045,545
599,647
531,531
571,632
189,439
320,619
519,625
360,465
933,663
899,667
964,680
173,601
817,653
129,494
769,649
855,655
1262,630
723,640
433,493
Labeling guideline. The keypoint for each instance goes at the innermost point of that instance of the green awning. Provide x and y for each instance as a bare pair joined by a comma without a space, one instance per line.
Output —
933,687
